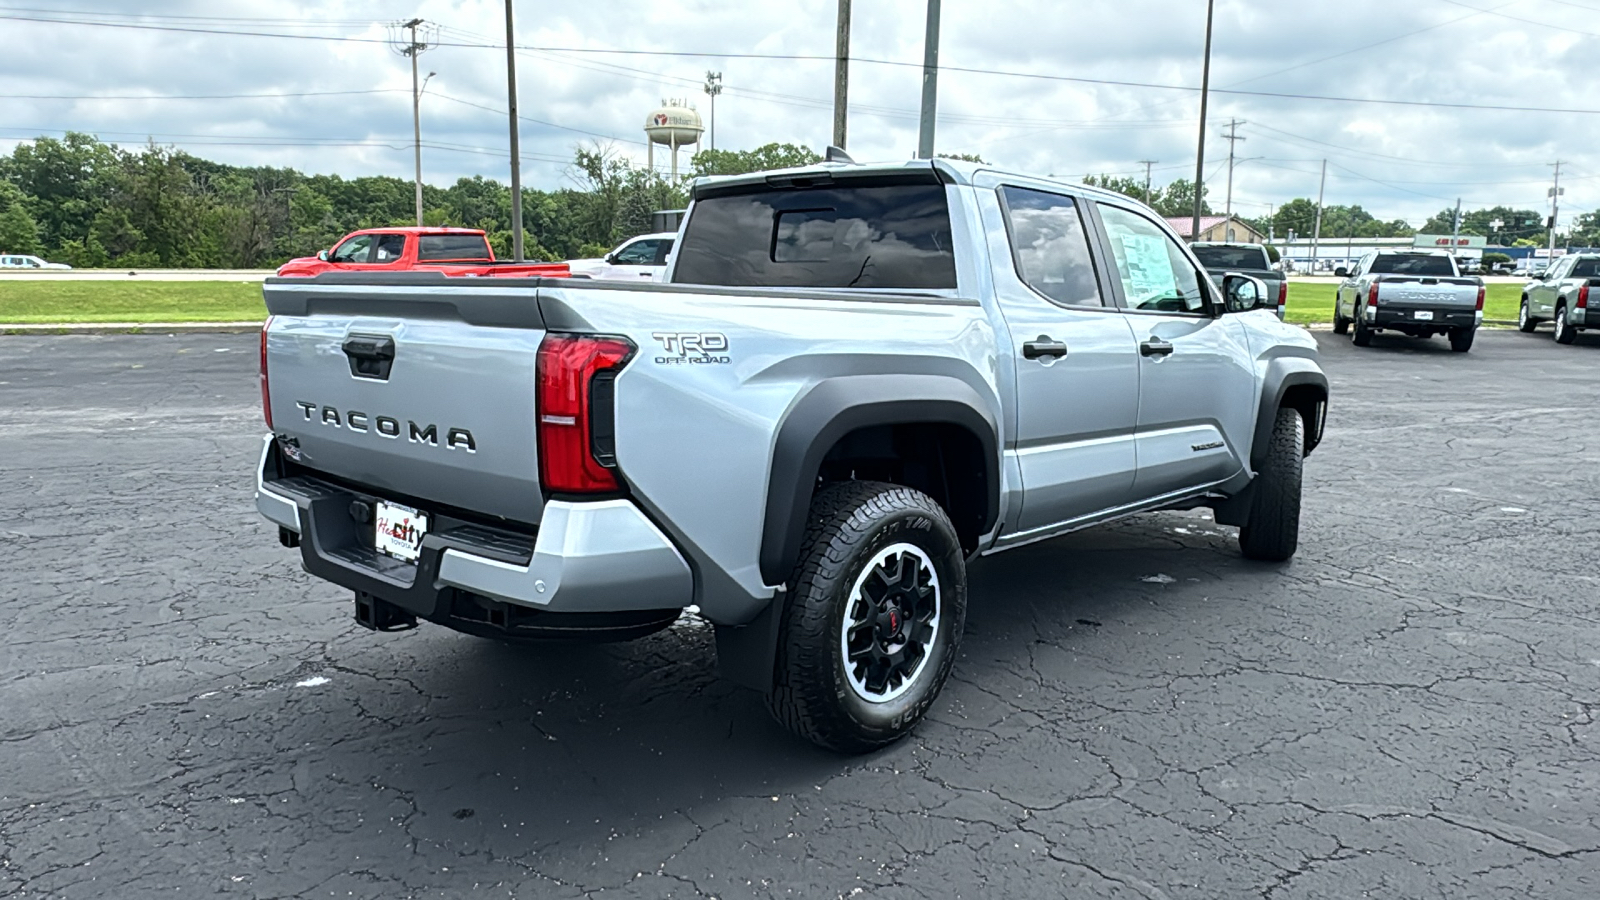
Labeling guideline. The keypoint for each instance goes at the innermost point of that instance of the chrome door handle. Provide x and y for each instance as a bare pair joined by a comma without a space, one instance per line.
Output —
1155,347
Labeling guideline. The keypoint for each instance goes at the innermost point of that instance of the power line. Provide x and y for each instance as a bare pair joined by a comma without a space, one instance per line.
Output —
258,96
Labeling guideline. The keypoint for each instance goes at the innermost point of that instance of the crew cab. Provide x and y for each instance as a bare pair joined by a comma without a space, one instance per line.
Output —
855,380
642,258
453,251
1562,296
1420,293
25,261
1221,259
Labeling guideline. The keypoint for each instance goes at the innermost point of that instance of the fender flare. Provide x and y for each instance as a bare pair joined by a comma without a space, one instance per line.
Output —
1283,374
835,407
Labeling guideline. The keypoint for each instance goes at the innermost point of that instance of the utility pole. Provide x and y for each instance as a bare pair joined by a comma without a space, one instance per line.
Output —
1200,152
930,82
1455,227
1233,139
841,75
713,87
413,49
1147,163
1555,211
516,140
1272,215
1316,232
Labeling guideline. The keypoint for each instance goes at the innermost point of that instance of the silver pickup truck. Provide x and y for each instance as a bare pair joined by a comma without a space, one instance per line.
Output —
1420,293
1561,296
1223,259
857,379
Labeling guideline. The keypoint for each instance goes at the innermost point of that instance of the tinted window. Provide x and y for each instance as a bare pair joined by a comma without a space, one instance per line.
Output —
1232,257
390,248
1586,268
663,251
453,246
884,236
1412,264
1049,247
638,253
1155,274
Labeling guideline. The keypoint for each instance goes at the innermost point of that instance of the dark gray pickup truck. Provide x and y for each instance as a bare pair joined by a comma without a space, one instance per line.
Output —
1224,259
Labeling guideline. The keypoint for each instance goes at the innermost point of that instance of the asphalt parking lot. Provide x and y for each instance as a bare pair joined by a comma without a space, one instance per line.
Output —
1407,710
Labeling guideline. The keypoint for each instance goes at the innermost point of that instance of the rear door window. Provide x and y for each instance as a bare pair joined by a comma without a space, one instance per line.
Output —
1049,246
867,236
390,248
452,246
1586,268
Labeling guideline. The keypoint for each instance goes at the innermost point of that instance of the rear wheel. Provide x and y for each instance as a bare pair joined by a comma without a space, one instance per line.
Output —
1525,322
876,608
1461,339
1272,530
1565,333
1341,325
1363,335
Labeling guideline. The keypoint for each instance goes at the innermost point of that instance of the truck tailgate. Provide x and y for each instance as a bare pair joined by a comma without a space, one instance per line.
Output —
425,393
1410,291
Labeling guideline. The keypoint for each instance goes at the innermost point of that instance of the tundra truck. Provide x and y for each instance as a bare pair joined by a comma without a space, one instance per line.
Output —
1420,293
1561,296
854,380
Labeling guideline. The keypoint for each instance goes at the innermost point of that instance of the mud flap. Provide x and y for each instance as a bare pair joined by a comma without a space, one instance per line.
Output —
747,654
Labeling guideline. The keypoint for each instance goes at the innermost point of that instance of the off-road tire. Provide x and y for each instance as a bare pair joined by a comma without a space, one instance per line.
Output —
1526,323
1272,530
1461,339
1565,333
851,523
1341,325
1362,335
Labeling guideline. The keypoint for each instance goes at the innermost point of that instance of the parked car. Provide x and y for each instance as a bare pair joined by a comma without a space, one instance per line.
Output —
642,258
857,379
24,261
453,251
1245,259
1562,297
1414,292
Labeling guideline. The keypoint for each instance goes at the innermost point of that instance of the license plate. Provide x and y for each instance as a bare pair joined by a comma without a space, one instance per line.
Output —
1424,315
398,531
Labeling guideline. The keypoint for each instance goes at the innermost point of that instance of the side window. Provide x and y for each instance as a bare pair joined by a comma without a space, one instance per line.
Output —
390,248
638,253
354,250
1156,275
1049,246
663,253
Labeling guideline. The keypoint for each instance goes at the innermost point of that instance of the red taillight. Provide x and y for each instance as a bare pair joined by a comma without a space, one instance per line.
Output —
568,364
1283,296
1483,293
1583,298
266,395
1372,295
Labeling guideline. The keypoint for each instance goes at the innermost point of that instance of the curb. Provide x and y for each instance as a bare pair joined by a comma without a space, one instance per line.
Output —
134,328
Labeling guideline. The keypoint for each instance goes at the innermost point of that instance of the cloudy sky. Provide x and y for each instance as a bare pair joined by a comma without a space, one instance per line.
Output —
1064,87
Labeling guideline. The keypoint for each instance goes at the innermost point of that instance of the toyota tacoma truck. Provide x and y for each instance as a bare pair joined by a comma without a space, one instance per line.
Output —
453,251
1420,293
854,380
1222,259
1561,296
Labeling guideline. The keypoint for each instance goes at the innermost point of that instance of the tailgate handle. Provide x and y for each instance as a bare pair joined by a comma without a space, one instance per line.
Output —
371,355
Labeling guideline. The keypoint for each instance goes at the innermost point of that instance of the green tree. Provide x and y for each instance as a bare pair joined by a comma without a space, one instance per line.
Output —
19,233
1177,199
964,157
1128,187
761,159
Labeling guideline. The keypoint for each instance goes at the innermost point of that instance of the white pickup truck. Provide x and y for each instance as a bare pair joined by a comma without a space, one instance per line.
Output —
1420,293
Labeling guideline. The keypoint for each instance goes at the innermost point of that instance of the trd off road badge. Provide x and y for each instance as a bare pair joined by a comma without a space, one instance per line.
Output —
692,348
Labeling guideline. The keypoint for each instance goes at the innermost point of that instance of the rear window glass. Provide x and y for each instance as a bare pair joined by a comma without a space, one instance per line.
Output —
1586,268
1232,257
884,236
1411,264
453,246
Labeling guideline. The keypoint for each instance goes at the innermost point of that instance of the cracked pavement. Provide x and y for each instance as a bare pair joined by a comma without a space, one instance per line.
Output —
1406,710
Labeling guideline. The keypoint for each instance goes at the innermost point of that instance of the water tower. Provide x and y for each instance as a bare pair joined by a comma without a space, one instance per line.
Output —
674,124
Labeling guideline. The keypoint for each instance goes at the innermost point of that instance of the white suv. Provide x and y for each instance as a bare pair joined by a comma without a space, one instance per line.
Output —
20,261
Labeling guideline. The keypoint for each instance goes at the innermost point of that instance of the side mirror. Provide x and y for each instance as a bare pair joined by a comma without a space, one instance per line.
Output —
322,255
611,258
1245,292
1342,272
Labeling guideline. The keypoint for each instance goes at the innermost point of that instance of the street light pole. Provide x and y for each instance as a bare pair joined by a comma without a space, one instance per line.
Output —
713,87
930,83
516,142
1200,152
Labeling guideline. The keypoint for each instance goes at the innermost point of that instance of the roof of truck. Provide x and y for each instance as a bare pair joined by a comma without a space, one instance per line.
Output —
953,171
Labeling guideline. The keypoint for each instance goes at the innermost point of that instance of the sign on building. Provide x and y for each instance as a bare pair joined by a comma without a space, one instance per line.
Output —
1446,242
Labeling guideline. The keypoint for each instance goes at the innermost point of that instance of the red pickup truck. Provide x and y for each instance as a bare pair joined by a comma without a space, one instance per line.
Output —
453,251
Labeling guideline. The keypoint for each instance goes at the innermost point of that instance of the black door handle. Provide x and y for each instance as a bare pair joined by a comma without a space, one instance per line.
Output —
1155,347
1043,346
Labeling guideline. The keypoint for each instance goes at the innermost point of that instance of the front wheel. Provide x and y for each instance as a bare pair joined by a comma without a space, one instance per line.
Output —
1565,333
1525,322
876,606
1461,339
1272,530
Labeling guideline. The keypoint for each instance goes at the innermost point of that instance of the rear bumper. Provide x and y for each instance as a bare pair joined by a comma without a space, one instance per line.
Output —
1399,317
591,557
